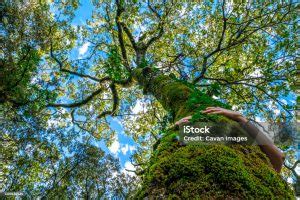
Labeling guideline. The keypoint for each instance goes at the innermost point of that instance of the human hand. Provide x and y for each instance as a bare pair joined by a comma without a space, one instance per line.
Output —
236,116
183,120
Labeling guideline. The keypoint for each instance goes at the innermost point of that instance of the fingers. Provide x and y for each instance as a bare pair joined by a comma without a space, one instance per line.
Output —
187,118
207,111
183,120
207,108
213,110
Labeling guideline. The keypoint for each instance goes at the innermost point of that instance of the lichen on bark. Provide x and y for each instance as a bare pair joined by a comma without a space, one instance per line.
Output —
202,171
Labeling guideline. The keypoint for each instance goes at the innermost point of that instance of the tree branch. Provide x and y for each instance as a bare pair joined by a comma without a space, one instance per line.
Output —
121,25
250,85
154,38
79,103
115,102
237,35
153,10
60,64
129,35
120,10
204,65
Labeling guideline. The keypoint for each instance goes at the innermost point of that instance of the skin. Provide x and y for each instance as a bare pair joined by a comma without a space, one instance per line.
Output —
272,152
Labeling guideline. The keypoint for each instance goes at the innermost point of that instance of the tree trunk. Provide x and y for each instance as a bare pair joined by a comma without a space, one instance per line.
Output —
202,171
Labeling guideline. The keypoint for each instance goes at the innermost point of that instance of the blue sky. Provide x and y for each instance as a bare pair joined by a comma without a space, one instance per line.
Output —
123,147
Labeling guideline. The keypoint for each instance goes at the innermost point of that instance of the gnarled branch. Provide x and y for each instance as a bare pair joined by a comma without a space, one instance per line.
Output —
79,103
114,92
60,64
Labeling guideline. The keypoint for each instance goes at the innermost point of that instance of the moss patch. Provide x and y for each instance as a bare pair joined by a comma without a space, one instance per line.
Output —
210,172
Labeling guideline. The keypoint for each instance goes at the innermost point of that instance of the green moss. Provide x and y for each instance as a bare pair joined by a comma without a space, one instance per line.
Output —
198,101
176,96
211,172
171,93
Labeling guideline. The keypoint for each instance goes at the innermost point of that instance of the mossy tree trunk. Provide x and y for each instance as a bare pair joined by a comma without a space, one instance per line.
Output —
172,94
203,171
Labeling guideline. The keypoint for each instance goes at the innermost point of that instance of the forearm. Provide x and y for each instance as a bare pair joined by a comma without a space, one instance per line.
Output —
265,144
274,154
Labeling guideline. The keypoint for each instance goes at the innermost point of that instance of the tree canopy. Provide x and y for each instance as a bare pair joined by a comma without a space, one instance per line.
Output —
62,82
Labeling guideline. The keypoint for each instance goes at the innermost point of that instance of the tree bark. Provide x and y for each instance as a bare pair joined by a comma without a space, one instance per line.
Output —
171,93
201,171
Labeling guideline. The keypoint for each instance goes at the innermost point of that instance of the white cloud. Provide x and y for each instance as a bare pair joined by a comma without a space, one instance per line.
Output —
115,174
256,73
34,80
52,122
130,167
290,180
114,147
270,104
82,50
284,101
234,107
277,111
127,148
124,149
142,27
258,119
132,148
297,170
139,107
273,108
215,97
68,42
182,11
91,108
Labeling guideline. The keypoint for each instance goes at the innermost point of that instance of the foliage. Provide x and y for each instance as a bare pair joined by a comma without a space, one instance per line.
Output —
89,173
23,47
35,144
114,68
198,101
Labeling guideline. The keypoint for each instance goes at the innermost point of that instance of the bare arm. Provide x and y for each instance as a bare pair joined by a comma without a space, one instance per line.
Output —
265,144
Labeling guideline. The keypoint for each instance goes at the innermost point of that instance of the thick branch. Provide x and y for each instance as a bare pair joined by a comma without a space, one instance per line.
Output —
120,36
79,103
125,82
156,37
121,26
114,92
60,64
224,26
129,35
153,10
